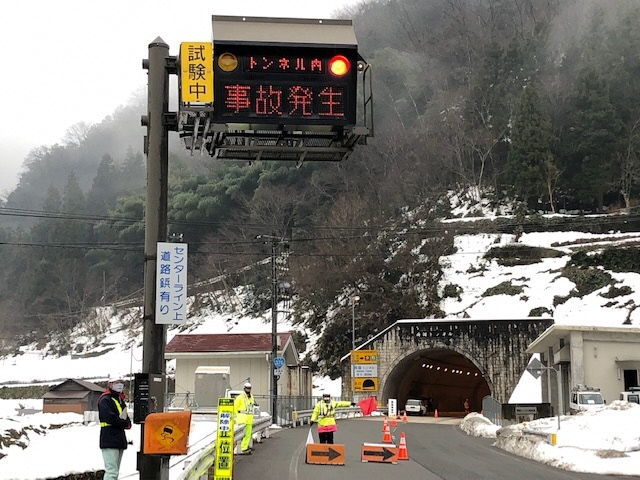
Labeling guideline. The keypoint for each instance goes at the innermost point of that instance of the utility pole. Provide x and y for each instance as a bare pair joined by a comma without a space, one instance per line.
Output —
157,149
274,330
273,384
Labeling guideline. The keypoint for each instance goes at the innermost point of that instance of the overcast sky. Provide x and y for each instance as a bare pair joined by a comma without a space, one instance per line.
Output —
76,61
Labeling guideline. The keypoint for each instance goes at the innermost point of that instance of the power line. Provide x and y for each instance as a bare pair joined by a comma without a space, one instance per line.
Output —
441,225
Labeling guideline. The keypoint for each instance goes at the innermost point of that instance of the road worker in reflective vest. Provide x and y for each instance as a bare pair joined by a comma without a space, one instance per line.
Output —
324,415
114,420
243,407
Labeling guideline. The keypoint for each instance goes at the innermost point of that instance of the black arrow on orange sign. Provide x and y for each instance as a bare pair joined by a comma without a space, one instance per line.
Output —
331,453
385,453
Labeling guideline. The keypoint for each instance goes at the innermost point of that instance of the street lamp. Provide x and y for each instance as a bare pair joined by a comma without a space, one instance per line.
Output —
355,299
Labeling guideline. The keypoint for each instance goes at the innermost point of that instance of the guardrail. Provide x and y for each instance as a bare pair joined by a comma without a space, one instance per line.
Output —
199,467
302,416
550,437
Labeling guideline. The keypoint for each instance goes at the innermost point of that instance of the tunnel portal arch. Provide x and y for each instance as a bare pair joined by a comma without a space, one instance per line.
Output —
492,352
441,378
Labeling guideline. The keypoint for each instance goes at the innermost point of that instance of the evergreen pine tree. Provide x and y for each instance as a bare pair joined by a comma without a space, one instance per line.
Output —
102,196
591,136
530,148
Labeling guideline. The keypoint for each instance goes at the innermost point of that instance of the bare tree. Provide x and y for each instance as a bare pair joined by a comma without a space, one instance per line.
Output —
551,176
77,133
629,164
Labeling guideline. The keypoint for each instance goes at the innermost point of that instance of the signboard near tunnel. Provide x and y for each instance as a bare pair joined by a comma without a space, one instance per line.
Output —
365,384
285,85
277,71
364,356
364,370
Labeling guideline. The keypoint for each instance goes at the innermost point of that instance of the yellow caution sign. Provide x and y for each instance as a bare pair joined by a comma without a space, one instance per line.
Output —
364,356
362,384
196,72
223,463
167,433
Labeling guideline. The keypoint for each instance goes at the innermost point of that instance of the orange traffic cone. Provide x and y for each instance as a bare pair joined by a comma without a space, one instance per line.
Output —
394,422
385,424
386,437
403,454
404,417
435,413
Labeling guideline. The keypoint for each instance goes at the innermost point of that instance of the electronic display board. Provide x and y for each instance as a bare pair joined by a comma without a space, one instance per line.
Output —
277,84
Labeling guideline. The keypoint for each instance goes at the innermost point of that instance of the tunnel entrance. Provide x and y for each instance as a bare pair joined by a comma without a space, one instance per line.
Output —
442,379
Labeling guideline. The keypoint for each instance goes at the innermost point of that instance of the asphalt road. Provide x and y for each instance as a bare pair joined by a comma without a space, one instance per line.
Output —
437,450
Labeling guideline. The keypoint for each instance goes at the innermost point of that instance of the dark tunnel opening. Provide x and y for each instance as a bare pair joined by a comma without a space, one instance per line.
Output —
441,379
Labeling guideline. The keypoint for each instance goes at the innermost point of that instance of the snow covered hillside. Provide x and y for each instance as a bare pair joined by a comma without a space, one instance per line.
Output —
472,286
484,288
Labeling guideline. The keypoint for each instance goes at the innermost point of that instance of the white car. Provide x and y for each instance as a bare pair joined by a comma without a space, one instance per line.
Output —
585,400
415,407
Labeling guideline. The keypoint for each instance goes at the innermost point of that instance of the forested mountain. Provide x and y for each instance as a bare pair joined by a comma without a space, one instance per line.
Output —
533,104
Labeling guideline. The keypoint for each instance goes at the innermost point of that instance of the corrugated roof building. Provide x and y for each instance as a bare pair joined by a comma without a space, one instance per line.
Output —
76,396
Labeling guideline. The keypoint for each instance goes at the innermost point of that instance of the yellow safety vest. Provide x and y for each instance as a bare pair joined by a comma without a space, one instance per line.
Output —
118,406
324,413
244,403
243,406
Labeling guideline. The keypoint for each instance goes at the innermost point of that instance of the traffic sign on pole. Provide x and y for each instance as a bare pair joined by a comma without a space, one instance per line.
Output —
278,362
535,368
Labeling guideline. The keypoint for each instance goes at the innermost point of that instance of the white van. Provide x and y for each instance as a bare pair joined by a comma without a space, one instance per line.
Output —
232,393
414,407
585,398
633,395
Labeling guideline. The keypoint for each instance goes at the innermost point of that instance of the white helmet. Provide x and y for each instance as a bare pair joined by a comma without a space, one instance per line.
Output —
117,376
247,385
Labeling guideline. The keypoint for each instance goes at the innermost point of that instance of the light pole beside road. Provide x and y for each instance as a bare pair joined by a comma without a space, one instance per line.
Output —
275,267
355,299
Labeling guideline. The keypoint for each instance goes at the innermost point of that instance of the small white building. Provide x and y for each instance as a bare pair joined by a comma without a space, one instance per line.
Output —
607,358
248,355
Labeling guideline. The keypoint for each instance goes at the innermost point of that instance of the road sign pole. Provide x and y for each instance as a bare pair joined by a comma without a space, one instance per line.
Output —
157,150
535,368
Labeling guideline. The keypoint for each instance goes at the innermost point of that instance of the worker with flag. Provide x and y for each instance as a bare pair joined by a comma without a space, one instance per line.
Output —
324,415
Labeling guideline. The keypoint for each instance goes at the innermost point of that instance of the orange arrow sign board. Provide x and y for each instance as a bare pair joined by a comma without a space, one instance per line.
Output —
379,452
325,454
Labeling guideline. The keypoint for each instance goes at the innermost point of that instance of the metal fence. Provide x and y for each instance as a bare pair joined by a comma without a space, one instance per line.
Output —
183,401
492,409
286,407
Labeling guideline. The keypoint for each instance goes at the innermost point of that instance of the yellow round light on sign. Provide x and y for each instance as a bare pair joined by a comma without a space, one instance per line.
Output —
227,62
